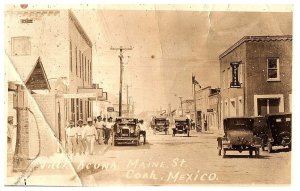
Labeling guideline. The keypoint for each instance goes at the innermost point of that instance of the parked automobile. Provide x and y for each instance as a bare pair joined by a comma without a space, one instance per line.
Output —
160,124
261,130
280,125
181,126
239,136
126,131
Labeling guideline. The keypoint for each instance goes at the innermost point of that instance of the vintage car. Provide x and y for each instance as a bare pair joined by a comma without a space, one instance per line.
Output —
281,130
239,136
126,131
181,126
160,124
260,129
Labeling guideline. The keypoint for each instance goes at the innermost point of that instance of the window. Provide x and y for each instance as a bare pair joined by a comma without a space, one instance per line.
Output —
228,77
20,46
71,56
85,68
81,109
90,72
77,109
273,69
269,105
76,61
80,55
72,110
81,65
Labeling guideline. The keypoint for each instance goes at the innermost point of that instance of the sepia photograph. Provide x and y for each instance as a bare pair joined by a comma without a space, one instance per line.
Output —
147,94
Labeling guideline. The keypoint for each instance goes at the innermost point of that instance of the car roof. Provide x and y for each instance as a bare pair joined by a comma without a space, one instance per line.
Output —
180,119
160,117
279,114
238,118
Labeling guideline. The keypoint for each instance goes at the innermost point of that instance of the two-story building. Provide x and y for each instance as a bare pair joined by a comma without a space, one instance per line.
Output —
53,42
256,76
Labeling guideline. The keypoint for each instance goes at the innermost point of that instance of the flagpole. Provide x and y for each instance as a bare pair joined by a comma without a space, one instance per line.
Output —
195,107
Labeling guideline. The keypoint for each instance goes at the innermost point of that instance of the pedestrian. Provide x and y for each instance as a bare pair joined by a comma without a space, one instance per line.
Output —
11,135
80,140
142,128
99,127
71,133
109,127
90,133
205,125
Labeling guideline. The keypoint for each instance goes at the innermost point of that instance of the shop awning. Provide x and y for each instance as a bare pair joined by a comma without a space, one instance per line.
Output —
93,94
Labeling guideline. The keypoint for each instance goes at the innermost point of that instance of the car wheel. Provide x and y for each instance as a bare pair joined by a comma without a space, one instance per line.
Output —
263,147
251,153
188,133
166,132
137,143
257,152
224,153
220,152
269,147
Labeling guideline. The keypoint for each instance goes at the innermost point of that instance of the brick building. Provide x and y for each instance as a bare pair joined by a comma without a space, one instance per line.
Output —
256,76
56,40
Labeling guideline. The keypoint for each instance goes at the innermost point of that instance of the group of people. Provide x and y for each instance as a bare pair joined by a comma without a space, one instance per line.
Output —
81,138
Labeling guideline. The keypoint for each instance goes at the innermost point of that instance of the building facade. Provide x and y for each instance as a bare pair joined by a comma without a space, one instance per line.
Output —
256,76
57,40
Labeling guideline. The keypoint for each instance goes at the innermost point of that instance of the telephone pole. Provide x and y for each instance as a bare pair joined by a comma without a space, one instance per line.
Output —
121,49
181,106
127,100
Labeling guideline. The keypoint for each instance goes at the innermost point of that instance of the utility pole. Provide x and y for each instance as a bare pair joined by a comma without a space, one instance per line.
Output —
181,106
195,105
127,100
121,75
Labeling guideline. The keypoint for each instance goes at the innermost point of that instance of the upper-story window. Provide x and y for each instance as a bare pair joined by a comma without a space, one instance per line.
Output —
224,79
273,69
20,46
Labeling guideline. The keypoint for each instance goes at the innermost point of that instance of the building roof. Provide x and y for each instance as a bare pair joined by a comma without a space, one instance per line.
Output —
257,39
80,28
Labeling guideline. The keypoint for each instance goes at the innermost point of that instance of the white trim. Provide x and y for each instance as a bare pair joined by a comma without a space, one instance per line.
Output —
278,71
281,102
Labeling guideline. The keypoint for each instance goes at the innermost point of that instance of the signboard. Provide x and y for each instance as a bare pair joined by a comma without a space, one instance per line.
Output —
110,109
235,78
210,110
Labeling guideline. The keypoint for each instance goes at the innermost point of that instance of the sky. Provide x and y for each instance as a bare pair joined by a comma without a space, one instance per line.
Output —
170,42
168,46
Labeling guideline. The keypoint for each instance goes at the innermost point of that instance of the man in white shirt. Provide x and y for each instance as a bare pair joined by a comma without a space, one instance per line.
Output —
80,140
108,130
99,128
142,128
71,133
90,133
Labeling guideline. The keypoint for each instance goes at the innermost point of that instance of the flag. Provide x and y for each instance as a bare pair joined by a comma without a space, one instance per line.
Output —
194,81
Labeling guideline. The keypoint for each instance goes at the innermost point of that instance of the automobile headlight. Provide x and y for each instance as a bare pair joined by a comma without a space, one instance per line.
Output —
118,129
131,130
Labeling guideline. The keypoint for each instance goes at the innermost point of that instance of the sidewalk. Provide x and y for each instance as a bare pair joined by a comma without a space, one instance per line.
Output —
56,170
